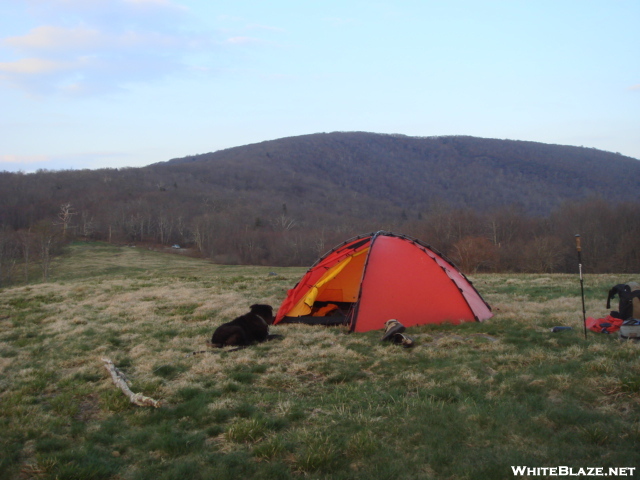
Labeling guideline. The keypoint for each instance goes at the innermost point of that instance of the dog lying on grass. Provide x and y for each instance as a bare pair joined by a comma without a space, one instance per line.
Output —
246,329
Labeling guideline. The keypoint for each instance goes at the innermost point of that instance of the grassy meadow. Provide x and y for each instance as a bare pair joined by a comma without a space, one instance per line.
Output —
467,402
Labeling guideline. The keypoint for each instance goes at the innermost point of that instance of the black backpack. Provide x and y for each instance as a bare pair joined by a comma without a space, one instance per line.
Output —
629,304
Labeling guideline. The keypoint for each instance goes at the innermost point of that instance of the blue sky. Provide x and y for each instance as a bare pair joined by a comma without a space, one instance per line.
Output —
114,83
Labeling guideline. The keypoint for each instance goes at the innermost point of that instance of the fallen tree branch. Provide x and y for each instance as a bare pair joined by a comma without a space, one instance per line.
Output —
121,382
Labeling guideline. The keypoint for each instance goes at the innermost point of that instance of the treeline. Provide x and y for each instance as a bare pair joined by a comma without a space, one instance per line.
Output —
504,240
507,240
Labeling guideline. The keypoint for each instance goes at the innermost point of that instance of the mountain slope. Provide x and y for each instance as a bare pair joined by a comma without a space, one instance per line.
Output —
411,173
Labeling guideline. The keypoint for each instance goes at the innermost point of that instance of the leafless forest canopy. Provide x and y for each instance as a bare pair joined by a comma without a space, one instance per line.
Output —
488,205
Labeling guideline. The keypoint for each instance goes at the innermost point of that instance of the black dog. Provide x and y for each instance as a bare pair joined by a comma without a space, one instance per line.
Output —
247,329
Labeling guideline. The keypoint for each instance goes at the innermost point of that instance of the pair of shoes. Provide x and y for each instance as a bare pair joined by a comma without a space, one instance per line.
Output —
393,333
391,328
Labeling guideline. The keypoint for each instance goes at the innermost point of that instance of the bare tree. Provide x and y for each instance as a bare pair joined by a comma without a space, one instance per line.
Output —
45,241
200,232
25,240
88,226
474,253
284,223
165,228
543,254
320,242
66,214
8,255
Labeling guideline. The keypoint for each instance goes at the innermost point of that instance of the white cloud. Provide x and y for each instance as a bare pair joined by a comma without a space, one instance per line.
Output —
80,47
50,37
635,87
31,66
88,59
23,159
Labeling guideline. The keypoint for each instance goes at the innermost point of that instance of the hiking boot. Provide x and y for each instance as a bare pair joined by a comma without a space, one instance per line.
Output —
404,340
391,327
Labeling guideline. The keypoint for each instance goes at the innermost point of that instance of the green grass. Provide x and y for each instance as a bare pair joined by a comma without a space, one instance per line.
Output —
466,402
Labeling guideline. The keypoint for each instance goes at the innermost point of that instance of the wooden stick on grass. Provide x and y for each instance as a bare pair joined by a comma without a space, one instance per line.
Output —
119,379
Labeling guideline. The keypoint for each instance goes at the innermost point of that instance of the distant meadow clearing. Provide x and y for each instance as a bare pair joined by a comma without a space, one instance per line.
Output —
467,402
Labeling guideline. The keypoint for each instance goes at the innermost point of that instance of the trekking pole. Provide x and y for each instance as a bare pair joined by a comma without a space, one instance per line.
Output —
584,313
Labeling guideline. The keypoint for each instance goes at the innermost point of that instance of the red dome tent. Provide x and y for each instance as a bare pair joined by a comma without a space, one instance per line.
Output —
376,277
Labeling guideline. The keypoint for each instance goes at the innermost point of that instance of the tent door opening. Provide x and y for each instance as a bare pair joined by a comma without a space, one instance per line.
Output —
331,299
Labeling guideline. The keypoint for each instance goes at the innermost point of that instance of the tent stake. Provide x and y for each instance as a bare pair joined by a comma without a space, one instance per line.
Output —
584,314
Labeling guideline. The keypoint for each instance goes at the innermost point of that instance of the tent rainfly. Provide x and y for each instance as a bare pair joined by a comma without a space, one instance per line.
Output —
372,278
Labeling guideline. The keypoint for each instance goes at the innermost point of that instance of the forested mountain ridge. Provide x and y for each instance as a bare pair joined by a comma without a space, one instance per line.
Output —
412,172
489,204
